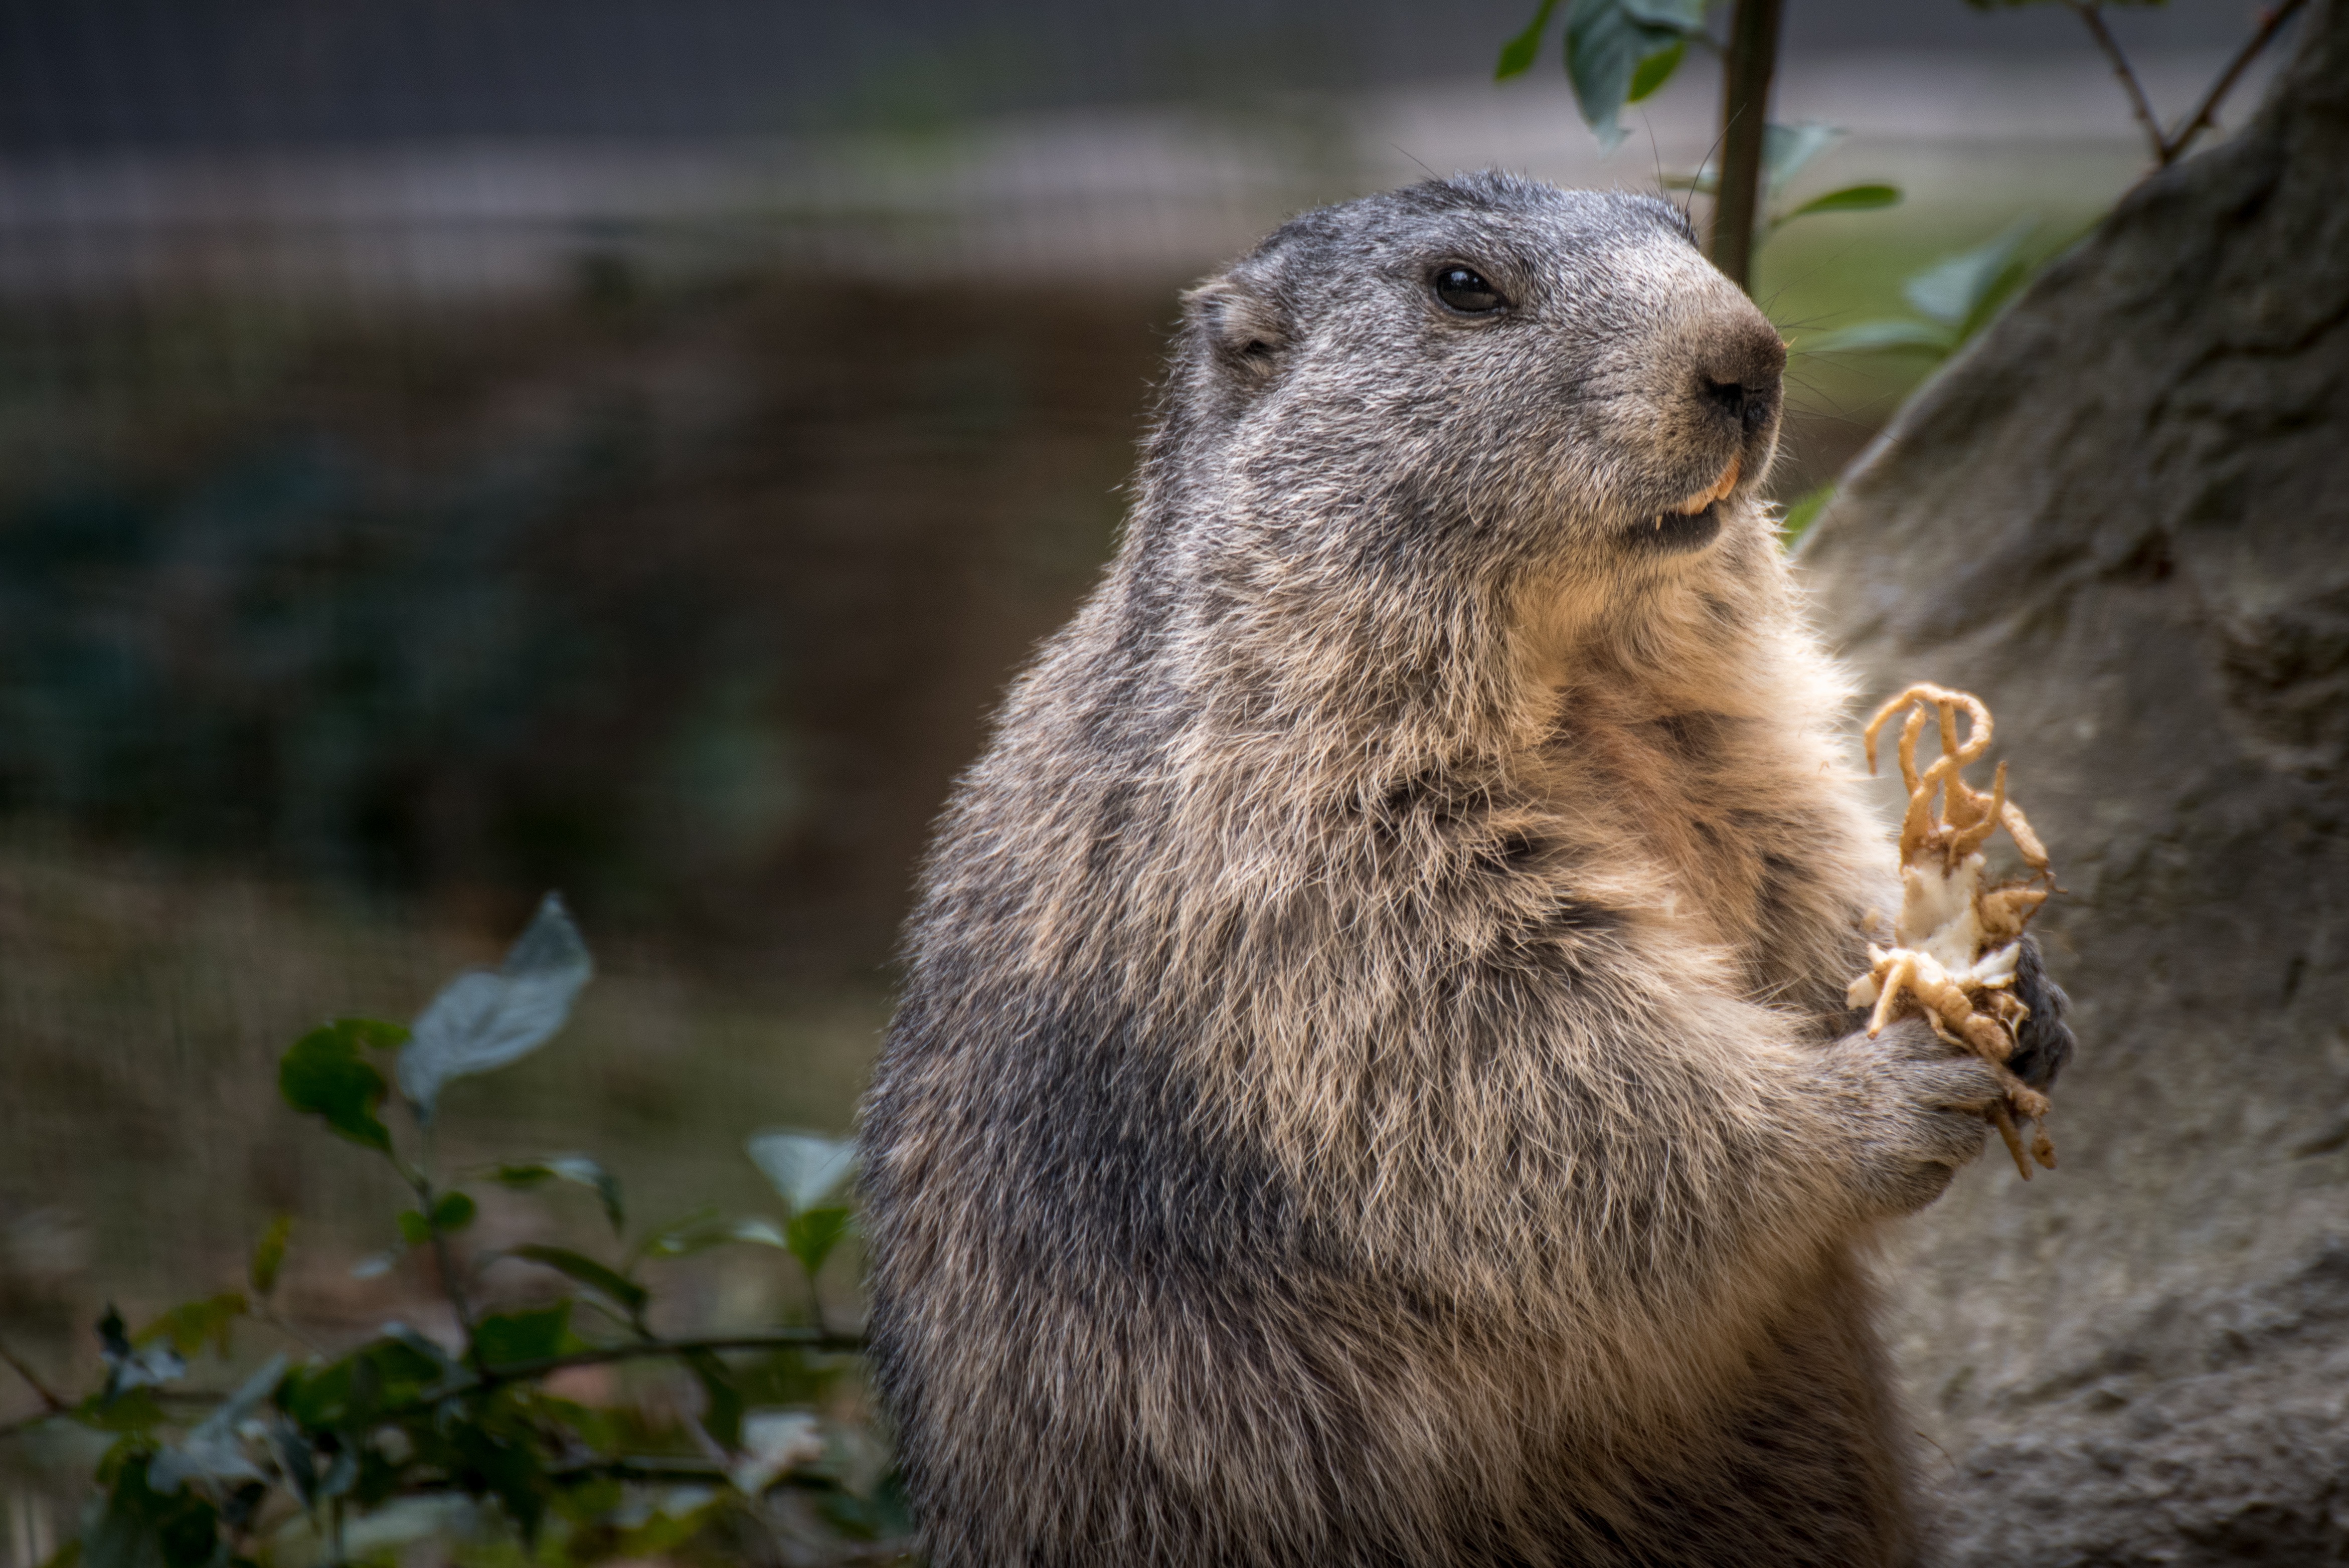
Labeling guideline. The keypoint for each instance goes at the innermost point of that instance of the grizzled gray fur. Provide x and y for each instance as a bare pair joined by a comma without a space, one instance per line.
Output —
1373,1085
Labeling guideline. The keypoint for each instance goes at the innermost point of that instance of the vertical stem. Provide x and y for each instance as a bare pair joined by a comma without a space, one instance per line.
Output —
1745,75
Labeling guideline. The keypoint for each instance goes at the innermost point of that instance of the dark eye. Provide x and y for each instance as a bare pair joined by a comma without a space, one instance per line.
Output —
1464,288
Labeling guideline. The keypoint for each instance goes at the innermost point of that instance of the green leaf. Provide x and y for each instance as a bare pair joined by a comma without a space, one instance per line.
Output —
1957,289
1655,71
452,1212
1850,199
576,1169
622,1291
721,1413
402,1335
812,1235
759,1232
1608,42
133,1410
189,1324
1804,511
127,1365
1891,332
269,1256
1518,54
804,1166
385,1374
682,1237
414,1228
1683,16
507,1467
482,1021
1788,149
505,1338
324,1076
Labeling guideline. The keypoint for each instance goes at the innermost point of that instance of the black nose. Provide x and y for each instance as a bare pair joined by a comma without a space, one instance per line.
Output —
1742,377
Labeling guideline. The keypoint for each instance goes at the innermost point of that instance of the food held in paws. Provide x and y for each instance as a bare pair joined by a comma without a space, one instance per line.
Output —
1957,940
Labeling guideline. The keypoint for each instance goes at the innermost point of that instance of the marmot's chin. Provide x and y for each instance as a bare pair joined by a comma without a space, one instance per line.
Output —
1675,532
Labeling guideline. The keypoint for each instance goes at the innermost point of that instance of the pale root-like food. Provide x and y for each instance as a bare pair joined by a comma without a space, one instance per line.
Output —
1959,941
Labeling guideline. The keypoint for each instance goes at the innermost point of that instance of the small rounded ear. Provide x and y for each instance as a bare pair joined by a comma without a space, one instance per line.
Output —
1244,327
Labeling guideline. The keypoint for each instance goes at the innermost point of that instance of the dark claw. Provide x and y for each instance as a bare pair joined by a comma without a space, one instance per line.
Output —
2044,1042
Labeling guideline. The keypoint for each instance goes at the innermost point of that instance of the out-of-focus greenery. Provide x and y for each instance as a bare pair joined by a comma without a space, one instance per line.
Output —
505,1439
1953,299
1619,51
686,598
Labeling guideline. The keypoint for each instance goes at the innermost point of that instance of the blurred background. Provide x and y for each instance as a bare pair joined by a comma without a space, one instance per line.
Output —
455,448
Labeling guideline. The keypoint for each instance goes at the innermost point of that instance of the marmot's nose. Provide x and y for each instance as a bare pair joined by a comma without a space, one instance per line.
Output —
1741,375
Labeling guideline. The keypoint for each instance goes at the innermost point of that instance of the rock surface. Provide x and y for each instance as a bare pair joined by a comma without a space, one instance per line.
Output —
2123,517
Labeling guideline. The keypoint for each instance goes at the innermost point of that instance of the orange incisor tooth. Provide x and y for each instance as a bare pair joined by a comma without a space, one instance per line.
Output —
1705,498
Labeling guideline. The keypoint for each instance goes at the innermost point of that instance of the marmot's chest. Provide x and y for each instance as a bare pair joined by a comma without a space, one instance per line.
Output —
1692,806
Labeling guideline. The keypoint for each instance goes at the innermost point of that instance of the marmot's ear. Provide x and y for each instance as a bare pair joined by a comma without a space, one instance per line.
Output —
1243,325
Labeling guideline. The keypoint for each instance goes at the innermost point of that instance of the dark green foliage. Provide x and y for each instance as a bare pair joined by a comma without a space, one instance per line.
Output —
142,1527
576,1169
326,1076
812,1236
269,1255
317,1447
1617,52
190,1326
615,1287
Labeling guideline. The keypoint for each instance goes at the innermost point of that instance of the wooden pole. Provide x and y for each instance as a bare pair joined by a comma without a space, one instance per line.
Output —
1744,112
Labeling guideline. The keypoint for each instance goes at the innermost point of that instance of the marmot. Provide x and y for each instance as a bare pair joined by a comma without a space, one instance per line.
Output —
1373,1084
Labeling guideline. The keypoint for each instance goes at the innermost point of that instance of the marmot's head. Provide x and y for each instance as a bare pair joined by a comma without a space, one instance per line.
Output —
1484,372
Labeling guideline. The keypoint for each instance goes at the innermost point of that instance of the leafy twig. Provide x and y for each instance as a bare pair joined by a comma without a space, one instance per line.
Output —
653,1349
2271,23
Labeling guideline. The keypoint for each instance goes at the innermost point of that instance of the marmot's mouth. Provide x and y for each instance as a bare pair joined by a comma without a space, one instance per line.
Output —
1694,521
1674,532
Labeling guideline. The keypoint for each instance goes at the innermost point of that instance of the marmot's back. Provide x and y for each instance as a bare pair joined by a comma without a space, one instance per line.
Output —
1331,1118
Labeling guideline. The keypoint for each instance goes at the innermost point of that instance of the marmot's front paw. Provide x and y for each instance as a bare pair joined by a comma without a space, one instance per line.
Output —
2043,1042
1912,1109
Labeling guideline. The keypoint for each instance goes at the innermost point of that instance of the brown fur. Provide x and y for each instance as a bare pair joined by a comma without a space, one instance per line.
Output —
1374,1085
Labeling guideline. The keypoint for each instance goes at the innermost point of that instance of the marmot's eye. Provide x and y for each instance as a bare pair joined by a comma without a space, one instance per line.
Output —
1464,288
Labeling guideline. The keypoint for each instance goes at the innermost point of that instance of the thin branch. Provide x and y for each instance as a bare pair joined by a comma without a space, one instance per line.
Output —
51,1404
653,1349
2271,23
2140,105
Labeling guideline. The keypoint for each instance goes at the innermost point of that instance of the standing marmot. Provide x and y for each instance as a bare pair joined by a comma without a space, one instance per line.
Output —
1373,1085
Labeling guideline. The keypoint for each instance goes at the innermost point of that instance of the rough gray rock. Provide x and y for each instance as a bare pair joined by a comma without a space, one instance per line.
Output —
2123,517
